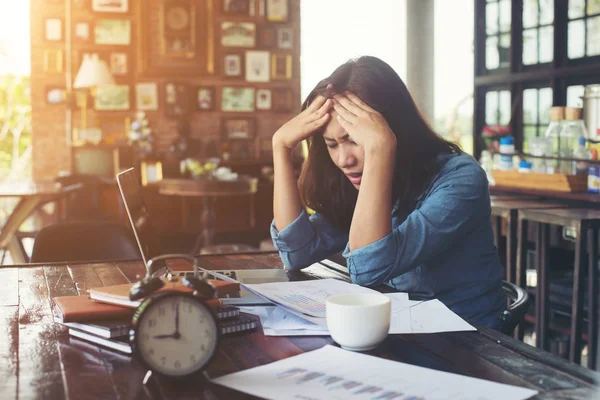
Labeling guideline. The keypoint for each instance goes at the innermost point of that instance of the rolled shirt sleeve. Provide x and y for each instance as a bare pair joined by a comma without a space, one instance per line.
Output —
307,240
454,204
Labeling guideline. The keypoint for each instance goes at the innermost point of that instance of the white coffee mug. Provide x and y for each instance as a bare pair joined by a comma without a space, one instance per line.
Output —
360,321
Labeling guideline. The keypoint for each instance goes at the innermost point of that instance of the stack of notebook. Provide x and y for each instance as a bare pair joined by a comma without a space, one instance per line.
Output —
104,318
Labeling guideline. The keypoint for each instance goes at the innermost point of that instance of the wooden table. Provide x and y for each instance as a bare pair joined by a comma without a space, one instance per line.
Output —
208,190
39,361
31,195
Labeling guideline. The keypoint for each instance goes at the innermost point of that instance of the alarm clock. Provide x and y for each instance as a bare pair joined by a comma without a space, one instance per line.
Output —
173,333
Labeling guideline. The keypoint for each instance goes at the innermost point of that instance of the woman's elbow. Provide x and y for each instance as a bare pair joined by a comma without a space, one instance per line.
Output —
293,260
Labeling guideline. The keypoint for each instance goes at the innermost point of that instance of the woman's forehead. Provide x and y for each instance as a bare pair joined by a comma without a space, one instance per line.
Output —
333,129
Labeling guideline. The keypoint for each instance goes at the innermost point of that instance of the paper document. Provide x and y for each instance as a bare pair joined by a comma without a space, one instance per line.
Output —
277,321
331,373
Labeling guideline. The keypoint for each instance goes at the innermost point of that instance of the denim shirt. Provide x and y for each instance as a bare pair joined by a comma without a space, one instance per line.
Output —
443,249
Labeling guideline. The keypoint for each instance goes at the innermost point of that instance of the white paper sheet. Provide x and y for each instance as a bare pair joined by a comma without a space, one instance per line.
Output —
331,373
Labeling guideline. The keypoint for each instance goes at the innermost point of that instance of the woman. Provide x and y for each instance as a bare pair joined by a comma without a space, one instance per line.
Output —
408,208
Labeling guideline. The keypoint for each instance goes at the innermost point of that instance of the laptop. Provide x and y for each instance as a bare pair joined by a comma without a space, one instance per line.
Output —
149,244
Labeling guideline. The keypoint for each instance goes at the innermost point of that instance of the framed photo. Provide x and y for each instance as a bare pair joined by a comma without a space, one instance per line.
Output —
277,10
281,66
146,96
54,29
116,6
151,172
257,66
81,32
238,34
112,31
263,99
53,61
118,63
285,38
205,98
282,100
112,98
232,65
237,99
238,128
55,95
267,36
176,99
242,7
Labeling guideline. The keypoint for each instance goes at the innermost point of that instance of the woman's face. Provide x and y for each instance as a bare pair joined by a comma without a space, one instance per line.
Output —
346,155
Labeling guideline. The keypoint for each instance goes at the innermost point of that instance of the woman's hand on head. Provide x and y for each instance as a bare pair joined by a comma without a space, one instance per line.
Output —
303,125
367,127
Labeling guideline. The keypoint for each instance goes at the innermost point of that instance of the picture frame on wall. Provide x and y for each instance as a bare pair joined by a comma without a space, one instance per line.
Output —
112,31
267,36
238,34
285,38
281,66
150,172
277,10
176,99
237,99
53,61
238,128
53,29
282,101
240,7
146,96
81,32
114,6
178,28
263,99
55,95
205,98
112,98
257,66
233,65
118,63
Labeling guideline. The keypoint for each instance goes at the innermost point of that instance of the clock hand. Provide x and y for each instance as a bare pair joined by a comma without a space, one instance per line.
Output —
164,336
177,335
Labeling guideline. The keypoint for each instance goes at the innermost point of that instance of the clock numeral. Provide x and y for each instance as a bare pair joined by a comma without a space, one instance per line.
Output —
202,319
151,323
177,364
161,311
163,360
151,351
145,336
193,359
207,333
202,347
174,306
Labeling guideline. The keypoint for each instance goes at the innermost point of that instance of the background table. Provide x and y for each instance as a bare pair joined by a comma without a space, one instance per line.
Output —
39,360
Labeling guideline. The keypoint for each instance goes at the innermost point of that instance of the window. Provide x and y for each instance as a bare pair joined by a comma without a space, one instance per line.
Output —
537,103
538,31
497,31
584,28
497,107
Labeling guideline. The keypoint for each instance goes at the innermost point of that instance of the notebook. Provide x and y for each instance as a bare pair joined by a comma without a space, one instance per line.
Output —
84,309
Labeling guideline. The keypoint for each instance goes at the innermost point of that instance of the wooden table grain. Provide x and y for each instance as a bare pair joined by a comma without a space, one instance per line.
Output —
38,360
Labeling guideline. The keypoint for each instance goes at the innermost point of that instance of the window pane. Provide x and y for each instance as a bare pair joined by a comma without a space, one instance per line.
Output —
530,47
504,50
492,60
593,36
530,13
545,104
529,132
546,44
576,39
491,108
576,8
546,12
530,106
504,15
593,7
491,18
504,112
574,95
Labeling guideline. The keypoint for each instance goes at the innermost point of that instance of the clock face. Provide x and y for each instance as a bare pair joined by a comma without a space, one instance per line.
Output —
176,335
177,18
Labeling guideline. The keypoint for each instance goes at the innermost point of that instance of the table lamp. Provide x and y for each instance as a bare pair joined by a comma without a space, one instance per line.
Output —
93,72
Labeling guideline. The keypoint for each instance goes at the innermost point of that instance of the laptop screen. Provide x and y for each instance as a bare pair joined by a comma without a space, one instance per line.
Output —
145,235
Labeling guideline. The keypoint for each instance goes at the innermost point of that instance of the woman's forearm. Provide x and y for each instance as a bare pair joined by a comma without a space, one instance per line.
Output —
372,215
286,199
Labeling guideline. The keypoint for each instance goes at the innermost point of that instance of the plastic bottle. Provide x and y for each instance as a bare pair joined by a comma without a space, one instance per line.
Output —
582,153
507,149
486,164
552,134
573,129
525,166
594,175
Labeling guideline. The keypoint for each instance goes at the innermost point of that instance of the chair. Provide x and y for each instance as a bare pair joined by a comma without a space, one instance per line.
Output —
84,241
515,312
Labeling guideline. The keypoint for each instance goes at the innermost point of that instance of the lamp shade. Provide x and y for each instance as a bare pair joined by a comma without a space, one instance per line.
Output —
93,72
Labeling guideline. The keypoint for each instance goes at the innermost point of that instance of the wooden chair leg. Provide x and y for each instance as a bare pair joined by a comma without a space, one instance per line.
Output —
511,246
592,299
521,266
542,305
577,306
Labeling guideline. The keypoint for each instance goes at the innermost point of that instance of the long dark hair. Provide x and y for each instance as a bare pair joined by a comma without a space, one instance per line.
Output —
323,186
